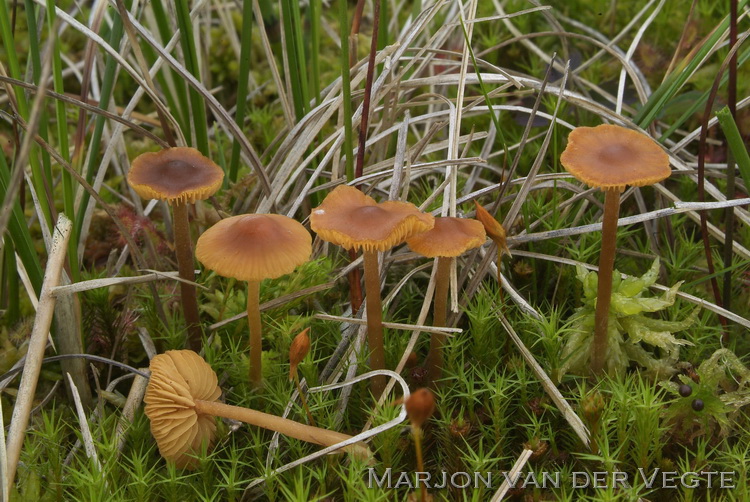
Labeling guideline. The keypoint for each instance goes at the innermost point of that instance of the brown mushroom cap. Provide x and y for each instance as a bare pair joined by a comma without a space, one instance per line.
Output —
349,218
298,350
179,174
610,157
177,378
420,406
449,237
253,247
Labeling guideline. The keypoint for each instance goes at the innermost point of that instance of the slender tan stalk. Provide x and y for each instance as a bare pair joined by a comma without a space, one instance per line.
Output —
434,361
303,399
284,426
604,290
184,251
256,340
501,295
374,320
417,431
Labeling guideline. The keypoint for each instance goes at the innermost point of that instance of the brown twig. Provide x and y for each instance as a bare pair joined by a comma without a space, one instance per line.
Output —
368,90
702,174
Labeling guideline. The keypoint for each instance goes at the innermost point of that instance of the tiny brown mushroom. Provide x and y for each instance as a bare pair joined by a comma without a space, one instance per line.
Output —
179,176
420,406
611,157
182,405
254,247
297,351
349,218
450,237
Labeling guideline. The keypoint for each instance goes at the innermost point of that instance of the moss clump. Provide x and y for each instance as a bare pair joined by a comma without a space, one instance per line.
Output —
632,337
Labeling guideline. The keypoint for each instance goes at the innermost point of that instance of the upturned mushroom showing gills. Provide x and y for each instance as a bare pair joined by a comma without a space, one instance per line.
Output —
450,237
349,218
182,405
179,176
610,157
254,247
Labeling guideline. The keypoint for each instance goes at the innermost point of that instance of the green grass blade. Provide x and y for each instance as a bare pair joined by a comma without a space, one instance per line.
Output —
198,107
108,84
19,233
12,293
13,65
246,42
736,145
677,79
699,103
40,175
483,89
296,56
68,186
182,109
315,13
346,89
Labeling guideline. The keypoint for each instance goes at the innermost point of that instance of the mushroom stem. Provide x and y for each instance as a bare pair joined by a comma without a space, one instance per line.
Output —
303,399
308,433
374,320
256,342
606,268
434,361
417,431
184,251
501,295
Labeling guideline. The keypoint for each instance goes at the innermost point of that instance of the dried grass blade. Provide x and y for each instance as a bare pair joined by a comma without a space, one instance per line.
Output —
37,344
514,473
88,440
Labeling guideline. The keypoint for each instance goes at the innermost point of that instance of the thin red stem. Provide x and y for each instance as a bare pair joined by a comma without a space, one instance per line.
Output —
368,90
184,251
374,320
604,291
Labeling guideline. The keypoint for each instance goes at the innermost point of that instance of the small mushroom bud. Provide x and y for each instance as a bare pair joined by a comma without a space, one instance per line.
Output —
297,351
697,404
685,390
494,229
420,406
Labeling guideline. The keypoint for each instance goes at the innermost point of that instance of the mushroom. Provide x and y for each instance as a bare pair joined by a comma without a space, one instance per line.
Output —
420,406
349,218
253,247
611,157
297,351
179,176
182,405
450,237
495,232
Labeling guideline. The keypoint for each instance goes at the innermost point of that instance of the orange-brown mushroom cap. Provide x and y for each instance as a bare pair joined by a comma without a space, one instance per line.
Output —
420,406
349,218
448,238
253,247
178,377
179,174
494,229
611,157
